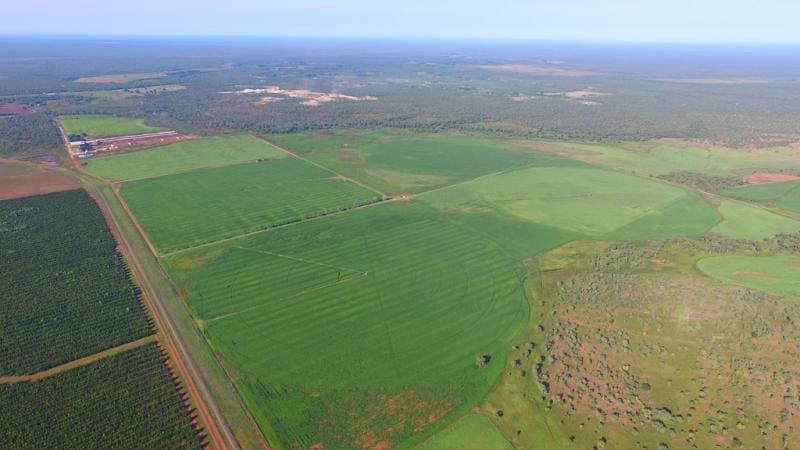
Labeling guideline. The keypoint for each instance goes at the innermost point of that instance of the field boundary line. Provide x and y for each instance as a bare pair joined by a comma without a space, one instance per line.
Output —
276,227
352,277
189,374
115,189
363,272
295,155
185,366
10,379
190,170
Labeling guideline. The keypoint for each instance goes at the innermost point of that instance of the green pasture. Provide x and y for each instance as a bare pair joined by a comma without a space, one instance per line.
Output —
777,273
98,125
744,221
186,209
397,162
784,195
590,201
364,322
664,159
469,433
182,156
763,192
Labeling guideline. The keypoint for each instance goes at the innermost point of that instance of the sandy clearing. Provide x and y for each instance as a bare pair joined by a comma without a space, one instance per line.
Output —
765,178
309,97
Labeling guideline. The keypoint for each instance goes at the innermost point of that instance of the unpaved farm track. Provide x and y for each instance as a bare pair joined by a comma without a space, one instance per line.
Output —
219,433
188,371
79,362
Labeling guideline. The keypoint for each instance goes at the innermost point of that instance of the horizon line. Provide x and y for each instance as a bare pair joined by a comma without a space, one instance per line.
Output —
472,39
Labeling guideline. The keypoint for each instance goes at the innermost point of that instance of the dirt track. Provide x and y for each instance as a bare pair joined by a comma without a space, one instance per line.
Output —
79,362
220,437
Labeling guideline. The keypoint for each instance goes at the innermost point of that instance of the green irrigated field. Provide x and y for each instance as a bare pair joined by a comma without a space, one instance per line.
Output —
396,162
763,192
661,159
124,401
586,200
66,291
182,210
784,195
745,221
469,433
97,125
779,273
364,327
181,157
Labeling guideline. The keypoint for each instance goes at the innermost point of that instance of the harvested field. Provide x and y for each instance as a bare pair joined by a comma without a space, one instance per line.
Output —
22,180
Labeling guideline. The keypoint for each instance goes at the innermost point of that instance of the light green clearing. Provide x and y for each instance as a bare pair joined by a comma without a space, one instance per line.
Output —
391,301
122,94
768,273
182,156
743,221
665,159
782,195
472,432
397,162
589,201
178,211
763,192
97,126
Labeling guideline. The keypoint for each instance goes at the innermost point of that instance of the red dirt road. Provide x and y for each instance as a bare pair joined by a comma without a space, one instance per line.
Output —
187,371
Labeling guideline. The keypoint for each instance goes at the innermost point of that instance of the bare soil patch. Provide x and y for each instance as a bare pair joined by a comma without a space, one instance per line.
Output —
766,177
139,142
15,109
22,180
308,97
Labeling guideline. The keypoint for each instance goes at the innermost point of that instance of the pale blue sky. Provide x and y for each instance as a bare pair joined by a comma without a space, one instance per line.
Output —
609,20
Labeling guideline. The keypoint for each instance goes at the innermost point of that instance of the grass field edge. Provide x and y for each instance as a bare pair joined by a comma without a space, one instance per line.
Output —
232,408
